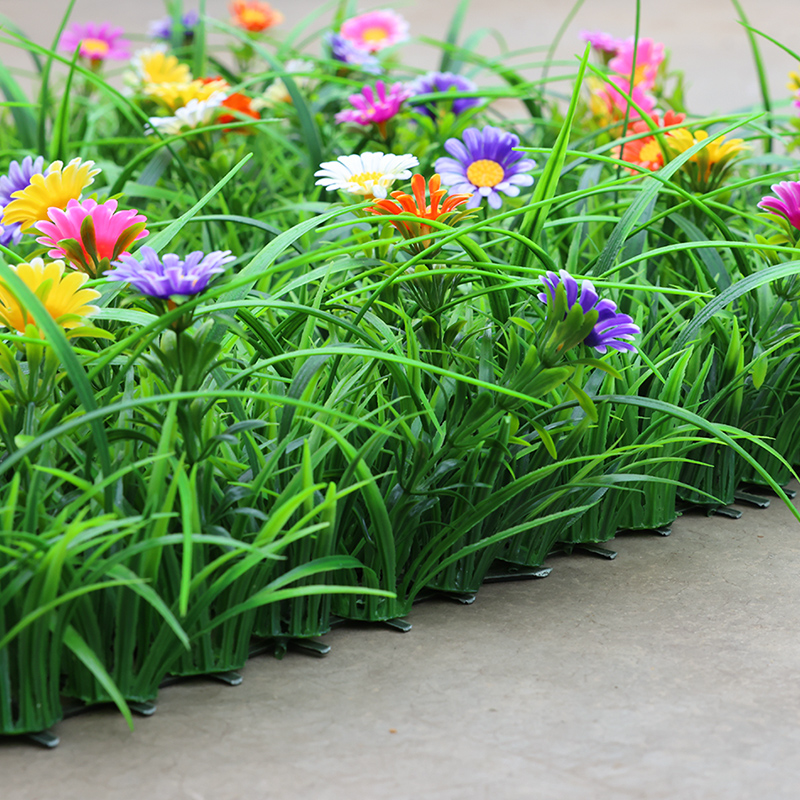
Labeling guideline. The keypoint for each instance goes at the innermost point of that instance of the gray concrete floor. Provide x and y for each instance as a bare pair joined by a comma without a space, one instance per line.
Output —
670,672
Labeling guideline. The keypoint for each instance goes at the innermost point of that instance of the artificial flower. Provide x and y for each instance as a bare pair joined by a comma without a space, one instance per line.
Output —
195,114
707,168
645,151
61,294
485,165
649,55
375,30
169,276
375,107
443,82
613,329
369,175
348,53
419,207
87,233
176,95
254,16
609,105
277,92
54,189
153,66
18,178
162,28
787,204
97,42
603,43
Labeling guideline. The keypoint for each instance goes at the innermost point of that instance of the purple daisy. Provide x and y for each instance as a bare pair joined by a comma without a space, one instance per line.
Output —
375,107
612,327
162,28
97,42
17,179
485,164
788,206
348,53
169,276
443,82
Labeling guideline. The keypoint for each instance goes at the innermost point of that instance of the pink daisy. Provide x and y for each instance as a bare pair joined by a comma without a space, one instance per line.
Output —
375,107
603,43
87,234
97,42
649,55
375,30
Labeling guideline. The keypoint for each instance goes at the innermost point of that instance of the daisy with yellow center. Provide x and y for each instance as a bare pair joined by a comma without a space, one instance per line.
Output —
707,168
369,175
61,294
54,189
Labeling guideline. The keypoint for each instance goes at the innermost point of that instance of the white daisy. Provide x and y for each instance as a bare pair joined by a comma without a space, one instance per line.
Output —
193,115
368,174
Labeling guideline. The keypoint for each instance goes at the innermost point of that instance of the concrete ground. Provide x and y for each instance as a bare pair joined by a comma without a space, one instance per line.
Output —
670,672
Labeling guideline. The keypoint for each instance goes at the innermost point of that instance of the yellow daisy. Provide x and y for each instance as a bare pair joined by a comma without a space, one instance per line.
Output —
708,168
156,66
54,189
177,95
62,295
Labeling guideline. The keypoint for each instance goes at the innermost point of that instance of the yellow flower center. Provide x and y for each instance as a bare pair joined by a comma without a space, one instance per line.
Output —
254,17
365,177
485,172
374,34
94,48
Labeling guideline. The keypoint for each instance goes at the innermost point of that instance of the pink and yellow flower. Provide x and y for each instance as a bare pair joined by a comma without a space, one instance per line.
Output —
91,235
254,16
52,190
101,42
649,55
375,30
375,107
62,296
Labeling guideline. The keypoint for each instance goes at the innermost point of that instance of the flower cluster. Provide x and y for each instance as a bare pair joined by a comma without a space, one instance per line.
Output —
645,151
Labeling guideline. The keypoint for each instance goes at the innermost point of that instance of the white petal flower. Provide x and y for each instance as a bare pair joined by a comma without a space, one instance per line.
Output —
368,174
194,114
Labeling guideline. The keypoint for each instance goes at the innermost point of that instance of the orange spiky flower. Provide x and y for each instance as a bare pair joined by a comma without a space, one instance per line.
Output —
447,213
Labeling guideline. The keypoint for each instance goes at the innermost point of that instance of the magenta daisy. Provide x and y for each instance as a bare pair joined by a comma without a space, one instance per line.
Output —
375,107
375,30
101,42
788,206
91,235
485,165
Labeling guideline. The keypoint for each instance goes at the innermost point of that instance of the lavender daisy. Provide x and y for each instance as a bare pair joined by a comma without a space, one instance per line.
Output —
613,329
169,276
788,206
443,82
485,165
349,53
18,178
162,28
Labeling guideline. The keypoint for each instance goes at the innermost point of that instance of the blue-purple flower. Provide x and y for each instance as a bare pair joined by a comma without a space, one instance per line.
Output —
443,82
613,329
485,165
17,179
348,53
162,28
168,276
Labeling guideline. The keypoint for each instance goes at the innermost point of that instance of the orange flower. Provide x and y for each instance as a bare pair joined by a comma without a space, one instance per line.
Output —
645,152
447,212
235,102
253,15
